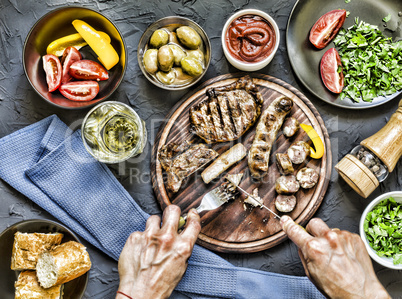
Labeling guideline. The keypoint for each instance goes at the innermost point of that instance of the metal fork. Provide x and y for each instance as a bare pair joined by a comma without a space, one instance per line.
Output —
214,199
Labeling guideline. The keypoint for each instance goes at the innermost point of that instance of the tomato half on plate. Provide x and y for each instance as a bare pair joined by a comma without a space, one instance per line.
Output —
70,55
52,67
332,71
88,70
80,90
326,27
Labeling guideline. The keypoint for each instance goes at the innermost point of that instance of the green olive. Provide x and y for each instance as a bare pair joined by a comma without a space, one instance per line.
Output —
182,77
182,222
166,78
159,38
178,53
197,54
191,66
165,58
173,37
188,37
150,60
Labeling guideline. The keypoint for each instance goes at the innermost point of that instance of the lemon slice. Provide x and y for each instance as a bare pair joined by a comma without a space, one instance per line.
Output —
75,40
107,55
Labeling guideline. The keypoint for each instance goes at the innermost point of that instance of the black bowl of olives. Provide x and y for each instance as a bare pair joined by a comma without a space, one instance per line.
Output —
174,53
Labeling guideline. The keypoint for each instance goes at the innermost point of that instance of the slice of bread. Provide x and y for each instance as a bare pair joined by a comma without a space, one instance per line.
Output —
62,264
27,287
28,246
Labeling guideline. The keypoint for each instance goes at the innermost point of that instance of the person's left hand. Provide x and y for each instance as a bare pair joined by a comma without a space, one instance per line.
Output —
153,262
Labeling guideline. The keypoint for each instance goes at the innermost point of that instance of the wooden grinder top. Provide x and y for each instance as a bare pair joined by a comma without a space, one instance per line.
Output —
386,144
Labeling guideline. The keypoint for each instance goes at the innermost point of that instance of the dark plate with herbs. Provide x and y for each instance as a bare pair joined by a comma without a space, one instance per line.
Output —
305,58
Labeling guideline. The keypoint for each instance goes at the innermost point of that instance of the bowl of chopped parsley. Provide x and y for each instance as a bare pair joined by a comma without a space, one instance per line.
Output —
381,229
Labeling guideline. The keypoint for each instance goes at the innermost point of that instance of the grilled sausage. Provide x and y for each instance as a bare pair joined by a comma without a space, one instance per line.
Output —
285,203
307,177
268,127
284,164
287,184
290,127
298,152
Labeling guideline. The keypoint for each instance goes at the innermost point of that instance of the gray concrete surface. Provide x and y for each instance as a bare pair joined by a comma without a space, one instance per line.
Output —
21,106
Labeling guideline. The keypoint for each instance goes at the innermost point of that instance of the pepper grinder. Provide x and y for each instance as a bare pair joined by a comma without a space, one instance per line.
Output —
369,163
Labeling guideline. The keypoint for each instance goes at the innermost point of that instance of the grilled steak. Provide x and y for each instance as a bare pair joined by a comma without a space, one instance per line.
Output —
228,112
181,160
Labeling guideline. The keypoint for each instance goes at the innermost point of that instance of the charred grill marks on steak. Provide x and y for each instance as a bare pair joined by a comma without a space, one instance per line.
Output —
246,105
181,160
228,112
226,118
169,151
216,118
234,112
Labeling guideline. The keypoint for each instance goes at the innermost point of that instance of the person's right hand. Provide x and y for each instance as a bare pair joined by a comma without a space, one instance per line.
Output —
336,261
153,262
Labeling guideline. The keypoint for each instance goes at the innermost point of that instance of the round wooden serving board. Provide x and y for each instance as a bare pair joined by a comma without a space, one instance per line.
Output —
236,227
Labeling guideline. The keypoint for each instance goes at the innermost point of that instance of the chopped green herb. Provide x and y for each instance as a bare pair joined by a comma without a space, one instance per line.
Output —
387,18
347,1
347,13
383,228
372,63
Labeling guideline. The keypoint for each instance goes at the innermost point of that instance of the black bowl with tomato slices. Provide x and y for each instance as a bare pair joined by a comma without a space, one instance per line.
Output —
58,24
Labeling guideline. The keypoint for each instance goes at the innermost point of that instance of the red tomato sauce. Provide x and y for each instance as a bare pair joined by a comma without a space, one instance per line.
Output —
250,38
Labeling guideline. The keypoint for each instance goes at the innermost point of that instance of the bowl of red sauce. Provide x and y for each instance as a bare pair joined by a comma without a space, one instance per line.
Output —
250,39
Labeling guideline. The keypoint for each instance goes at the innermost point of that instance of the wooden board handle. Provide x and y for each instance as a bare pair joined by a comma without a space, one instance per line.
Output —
386,144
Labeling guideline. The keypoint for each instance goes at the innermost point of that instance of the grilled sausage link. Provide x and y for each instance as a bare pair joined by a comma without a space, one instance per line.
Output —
298,152
268,127
307,177
287,184
290,127
285,203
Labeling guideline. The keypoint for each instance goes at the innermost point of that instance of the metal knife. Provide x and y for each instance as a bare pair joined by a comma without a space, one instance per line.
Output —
260,204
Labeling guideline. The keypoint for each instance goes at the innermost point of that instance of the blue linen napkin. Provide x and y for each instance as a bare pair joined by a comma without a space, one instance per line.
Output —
48,163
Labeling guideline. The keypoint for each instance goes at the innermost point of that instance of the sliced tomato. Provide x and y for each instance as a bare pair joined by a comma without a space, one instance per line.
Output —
52,67
88,70
70,55
326,27
331,71
80,90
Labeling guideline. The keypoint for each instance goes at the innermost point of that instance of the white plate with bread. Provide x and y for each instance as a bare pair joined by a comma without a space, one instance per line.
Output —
44,259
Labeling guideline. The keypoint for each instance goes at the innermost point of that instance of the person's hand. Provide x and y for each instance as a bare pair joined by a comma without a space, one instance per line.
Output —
336,261
153,262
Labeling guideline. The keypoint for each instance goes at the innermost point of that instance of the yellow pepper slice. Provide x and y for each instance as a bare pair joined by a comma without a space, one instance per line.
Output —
75,40
318,144
107,54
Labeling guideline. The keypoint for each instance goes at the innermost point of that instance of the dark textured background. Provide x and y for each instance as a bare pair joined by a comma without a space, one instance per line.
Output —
21,106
